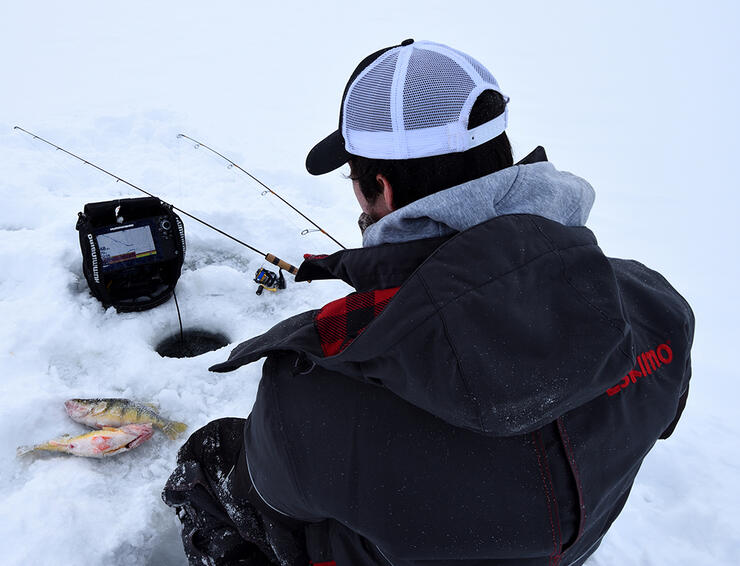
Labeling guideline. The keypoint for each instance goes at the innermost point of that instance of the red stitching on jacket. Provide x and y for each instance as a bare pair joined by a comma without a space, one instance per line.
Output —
551,505
572,460
338,323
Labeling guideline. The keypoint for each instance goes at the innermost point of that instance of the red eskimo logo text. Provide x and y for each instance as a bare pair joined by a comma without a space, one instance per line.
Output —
647,362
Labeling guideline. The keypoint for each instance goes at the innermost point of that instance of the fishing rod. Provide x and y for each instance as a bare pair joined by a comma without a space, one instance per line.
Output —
232,164
269,257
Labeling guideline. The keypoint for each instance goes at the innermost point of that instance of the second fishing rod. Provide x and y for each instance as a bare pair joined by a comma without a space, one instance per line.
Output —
231,163
274,260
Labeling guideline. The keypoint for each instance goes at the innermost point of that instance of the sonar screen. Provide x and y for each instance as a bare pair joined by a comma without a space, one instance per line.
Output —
125,245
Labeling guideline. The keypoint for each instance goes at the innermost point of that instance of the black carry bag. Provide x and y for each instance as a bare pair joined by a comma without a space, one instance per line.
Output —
132,251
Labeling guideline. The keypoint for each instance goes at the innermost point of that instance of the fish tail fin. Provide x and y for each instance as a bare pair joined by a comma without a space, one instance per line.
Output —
173,429
23,450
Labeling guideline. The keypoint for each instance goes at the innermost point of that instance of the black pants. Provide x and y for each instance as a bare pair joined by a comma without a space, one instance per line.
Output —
221,525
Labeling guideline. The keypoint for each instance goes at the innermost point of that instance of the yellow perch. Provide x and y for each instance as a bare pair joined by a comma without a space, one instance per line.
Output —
97,443
117,412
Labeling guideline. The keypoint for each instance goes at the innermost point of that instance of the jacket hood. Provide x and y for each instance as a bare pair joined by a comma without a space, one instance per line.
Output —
500,328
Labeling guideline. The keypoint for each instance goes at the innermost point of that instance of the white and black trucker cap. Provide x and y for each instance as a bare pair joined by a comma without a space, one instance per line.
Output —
407,101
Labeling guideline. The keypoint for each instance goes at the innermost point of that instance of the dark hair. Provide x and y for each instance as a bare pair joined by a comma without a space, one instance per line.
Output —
413,179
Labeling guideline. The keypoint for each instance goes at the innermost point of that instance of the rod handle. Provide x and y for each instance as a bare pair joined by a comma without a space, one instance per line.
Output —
281,264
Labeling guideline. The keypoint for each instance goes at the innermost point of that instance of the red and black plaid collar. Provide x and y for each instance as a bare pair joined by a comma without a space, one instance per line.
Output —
340,322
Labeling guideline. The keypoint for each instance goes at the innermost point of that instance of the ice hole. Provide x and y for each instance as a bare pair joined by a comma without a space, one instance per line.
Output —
191,343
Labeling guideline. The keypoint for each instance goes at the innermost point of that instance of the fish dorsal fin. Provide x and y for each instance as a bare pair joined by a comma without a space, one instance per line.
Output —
152,406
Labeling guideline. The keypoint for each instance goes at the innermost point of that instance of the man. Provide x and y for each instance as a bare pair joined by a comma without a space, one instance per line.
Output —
489,392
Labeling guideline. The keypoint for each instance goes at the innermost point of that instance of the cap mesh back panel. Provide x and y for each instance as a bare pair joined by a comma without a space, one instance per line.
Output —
369,101
433,84
484,73
433,98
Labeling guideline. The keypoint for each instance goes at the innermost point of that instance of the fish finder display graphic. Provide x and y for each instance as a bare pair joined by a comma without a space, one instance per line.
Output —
125,245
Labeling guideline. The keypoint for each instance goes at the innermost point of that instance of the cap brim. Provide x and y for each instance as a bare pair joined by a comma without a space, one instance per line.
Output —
327,155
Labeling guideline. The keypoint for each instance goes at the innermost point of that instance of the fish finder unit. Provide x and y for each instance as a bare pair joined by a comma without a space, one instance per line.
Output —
132,251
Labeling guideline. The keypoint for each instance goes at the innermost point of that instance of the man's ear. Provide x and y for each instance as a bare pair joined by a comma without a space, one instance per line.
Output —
386,195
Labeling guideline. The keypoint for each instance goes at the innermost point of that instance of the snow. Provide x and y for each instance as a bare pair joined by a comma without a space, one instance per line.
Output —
641,100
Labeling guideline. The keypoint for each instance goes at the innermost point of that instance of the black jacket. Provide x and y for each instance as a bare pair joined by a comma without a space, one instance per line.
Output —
486,398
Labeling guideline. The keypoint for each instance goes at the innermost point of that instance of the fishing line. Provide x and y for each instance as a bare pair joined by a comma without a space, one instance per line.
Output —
268,189
179,318
269,257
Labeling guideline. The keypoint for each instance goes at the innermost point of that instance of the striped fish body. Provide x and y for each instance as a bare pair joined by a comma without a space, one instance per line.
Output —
114,412
97,443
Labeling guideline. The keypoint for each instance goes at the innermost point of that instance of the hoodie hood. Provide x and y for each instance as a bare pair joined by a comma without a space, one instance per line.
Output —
499,329
532,188
498,311
502,329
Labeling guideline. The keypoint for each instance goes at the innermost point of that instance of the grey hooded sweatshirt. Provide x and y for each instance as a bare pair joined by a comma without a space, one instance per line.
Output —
536,188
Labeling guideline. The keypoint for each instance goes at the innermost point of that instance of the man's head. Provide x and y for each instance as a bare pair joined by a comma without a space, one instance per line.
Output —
415,119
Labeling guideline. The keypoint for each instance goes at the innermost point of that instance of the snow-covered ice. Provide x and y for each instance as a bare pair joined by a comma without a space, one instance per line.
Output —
641,100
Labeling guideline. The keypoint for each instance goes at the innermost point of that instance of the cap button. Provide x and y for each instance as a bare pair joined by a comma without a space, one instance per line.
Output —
406,42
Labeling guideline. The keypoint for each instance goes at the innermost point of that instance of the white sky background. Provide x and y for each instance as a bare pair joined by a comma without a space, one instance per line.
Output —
639,98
